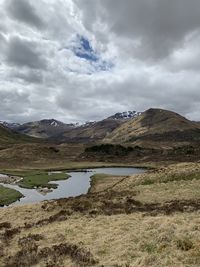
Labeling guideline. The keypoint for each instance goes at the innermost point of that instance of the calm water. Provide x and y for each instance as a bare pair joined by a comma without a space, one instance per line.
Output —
76,185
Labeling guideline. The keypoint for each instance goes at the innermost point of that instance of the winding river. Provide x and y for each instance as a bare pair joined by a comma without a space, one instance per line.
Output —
77,184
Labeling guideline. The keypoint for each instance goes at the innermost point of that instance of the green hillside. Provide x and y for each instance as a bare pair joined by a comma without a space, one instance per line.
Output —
8,136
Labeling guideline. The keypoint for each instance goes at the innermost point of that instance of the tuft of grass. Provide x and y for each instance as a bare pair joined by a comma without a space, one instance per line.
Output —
150,248
147,182
184,244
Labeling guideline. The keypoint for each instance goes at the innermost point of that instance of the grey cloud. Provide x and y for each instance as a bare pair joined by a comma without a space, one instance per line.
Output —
131,92
28,76
186,58
158,26
24,11
14,104
3,43
24,53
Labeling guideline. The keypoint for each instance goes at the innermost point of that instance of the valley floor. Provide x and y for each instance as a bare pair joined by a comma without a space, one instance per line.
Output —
150,219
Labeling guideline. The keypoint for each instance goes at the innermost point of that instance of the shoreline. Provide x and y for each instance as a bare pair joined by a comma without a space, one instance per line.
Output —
48,188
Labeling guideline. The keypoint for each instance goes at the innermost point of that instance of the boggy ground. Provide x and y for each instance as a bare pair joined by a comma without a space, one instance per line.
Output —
151,219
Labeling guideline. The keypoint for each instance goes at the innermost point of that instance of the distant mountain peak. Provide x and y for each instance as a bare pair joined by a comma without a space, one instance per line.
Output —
44,128
125,115
52,122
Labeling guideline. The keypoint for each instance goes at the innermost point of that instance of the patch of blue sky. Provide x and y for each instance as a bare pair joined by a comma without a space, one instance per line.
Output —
82,48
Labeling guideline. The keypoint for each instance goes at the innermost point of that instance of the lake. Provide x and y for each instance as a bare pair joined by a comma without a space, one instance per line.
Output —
77,184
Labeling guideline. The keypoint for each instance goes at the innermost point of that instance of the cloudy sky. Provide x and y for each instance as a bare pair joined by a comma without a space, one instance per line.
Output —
77,60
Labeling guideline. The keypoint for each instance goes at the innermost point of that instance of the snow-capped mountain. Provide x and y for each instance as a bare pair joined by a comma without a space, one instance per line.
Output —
54,123
125,115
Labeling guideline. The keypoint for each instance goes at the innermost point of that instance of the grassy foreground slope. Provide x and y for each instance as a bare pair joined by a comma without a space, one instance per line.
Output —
150,219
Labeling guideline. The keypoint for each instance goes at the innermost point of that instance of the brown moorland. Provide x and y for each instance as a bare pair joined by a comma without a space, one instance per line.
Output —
150,219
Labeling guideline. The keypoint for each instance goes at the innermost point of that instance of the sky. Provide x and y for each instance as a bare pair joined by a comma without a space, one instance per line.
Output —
82,60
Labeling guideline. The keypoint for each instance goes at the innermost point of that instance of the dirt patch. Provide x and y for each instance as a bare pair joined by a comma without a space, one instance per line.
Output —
30,255
5,225
60,216
10,233
23,241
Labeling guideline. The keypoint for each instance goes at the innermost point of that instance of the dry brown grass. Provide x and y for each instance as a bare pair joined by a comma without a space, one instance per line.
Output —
102,182
47,156
38,155
175,173
126,240
174,182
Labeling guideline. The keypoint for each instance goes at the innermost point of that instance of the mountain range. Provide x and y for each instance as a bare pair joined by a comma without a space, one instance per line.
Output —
51,128
153,125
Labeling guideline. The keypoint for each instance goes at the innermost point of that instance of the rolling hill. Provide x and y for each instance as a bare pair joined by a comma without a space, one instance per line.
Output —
43,128
156,125
8,136
97,130
90,132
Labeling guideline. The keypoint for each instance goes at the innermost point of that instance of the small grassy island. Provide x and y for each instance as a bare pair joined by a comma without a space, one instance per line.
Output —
41,179
8,196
